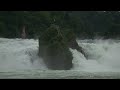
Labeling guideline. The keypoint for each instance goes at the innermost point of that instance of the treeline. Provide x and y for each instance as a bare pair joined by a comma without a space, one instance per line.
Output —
85,24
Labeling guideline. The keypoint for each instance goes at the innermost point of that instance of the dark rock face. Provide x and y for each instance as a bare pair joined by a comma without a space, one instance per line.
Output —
58,58
54,48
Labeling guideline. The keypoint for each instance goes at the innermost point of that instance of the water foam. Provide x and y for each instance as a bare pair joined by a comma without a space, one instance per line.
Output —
19,54
16,54
103,56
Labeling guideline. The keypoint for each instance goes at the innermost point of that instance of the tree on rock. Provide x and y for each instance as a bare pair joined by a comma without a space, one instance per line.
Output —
54,47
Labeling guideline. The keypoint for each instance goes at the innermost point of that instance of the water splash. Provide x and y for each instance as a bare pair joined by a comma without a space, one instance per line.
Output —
19,54
103,56
15,55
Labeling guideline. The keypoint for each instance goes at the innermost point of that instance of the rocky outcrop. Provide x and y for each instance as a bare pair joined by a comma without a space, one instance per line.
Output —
54,47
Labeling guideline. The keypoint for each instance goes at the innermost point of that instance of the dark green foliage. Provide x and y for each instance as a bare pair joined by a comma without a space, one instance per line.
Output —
85,24
54,50
92,23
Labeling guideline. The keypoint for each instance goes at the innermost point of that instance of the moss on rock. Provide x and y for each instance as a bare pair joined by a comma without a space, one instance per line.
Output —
54,47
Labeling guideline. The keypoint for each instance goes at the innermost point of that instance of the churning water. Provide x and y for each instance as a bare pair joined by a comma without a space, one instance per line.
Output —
19,59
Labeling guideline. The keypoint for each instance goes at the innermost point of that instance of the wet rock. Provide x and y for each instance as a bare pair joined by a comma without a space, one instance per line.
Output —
54,47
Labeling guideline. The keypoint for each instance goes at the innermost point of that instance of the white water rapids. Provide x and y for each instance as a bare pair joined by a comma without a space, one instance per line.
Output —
21,55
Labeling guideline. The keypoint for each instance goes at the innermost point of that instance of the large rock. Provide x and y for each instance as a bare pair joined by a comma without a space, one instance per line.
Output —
54,47
58,56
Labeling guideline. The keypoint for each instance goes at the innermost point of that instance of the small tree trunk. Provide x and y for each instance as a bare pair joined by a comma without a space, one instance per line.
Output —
23,35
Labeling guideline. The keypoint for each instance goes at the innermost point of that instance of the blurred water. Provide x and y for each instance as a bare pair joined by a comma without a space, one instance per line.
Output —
19,59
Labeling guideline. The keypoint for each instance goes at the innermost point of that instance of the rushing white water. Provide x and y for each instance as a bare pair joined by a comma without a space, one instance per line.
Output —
103,56
19,54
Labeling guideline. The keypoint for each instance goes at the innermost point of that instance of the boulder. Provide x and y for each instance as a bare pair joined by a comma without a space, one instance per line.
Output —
54,47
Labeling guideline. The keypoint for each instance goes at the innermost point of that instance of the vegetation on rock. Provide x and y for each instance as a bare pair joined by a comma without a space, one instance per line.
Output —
54,50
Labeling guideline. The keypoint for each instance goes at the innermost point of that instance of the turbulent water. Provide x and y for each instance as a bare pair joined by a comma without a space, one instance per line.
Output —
19,59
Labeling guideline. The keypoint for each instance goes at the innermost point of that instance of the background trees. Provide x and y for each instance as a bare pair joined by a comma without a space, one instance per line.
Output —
85,24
